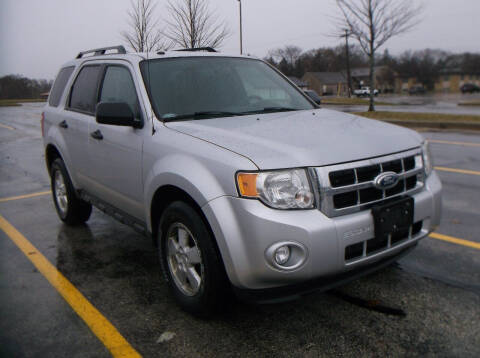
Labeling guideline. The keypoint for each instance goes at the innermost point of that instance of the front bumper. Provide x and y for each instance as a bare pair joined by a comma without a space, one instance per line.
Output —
324,283
245,229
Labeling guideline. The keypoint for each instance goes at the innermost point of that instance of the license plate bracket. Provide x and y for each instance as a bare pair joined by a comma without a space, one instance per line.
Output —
393,217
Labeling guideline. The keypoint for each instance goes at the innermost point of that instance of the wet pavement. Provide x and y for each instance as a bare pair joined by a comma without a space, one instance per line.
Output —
427,304
447,104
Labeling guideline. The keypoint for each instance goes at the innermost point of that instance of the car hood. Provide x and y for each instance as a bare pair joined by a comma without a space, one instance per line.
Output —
302,138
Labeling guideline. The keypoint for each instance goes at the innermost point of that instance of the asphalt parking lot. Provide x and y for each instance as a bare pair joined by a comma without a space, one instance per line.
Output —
96,290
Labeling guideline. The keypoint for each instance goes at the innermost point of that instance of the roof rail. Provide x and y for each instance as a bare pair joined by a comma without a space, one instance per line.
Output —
101,51
206,49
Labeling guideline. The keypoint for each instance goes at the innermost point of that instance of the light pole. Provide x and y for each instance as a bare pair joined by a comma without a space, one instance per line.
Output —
241,35
347,50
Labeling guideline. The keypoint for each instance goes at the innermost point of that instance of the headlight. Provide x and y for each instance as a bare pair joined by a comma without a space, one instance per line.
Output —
427,158
283,189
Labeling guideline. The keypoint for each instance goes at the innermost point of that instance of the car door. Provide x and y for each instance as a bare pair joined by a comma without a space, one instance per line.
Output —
80,111
115,152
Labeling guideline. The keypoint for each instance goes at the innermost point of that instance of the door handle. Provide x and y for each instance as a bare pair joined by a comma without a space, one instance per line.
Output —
97,135
63,124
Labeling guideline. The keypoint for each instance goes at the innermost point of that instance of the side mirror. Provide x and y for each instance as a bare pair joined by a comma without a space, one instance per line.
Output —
313,96
117,114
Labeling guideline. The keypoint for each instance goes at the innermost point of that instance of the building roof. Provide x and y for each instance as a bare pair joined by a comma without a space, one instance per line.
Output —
327,78
365,71
297,81
360,72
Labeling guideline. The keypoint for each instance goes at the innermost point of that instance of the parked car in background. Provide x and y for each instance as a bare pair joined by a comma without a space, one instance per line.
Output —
417,89
469,88
364,92
314,96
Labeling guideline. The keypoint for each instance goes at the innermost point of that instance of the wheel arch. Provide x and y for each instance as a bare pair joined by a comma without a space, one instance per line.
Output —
164,196
51,153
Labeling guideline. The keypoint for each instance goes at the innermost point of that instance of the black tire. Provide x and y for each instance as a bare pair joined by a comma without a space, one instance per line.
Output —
212,293
74,211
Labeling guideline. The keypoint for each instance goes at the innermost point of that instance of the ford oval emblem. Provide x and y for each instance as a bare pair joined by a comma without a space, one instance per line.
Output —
386,180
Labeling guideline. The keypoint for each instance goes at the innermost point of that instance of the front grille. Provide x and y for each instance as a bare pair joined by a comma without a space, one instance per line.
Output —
342,178
378,244
345,200
367,174
347,188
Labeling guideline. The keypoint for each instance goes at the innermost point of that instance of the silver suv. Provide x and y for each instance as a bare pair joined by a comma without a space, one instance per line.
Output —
244,183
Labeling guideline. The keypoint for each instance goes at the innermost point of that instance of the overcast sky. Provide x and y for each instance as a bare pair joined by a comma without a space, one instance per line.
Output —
37,36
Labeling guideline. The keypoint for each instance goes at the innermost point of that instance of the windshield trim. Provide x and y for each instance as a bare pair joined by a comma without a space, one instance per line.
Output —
144,70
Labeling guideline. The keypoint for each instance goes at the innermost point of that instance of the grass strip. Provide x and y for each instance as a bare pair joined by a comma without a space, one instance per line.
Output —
426,117
470,103
17,102
353,101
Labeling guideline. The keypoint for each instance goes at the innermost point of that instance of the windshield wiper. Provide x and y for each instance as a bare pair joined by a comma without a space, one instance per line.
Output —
211,114
271,110
198,115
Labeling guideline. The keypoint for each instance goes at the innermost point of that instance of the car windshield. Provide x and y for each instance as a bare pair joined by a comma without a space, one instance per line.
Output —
206,87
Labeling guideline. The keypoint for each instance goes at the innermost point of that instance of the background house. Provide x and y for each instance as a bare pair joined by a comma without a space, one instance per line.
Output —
447,81
326,83
450,80
335,83
384,78
303,85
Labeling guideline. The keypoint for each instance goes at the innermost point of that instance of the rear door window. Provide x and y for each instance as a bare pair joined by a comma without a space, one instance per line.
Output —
59,85
83,97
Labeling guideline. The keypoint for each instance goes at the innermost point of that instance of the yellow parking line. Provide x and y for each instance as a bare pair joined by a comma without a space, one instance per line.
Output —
5,126
26,196
455,240
100,326
460,171
467,144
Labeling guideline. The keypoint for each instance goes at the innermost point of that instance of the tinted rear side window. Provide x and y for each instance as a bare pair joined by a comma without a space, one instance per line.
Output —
84,90
59,85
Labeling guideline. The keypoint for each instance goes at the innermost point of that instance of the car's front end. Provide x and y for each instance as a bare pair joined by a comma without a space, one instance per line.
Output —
351,226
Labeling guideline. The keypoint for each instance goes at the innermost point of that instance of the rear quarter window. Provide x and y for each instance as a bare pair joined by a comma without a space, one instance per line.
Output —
83,96
59,85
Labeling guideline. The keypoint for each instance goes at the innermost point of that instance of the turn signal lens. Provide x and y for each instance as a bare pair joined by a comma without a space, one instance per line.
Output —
247,184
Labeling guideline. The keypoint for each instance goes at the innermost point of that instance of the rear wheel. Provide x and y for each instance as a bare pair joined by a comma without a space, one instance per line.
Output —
190,260
71,209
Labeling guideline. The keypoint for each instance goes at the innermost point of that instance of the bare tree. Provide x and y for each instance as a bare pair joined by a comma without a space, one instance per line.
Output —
193,25
373,22
288,53
144,34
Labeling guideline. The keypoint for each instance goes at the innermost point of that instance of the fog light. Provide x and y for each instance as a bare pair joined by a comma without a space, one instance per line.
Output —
282,254
286,255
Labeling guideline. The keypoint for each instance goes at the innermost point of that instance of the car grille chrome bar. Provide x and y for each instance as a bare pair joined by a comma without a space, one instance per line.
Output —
350,187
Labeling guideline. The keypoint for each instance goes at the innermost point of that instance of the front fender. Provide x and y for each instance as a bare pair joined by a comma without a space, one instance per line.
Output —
203,181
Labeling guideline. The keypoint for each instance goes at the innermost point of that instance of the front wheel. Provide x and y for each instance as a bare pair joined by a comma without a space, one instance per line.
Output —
71,209
190,260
